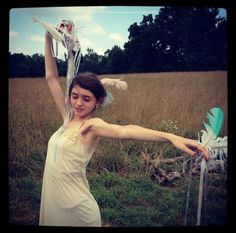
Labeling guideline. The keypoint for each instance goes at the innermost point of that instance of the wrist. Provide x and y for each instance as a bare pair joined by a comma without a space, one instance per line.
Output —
48,36
170,137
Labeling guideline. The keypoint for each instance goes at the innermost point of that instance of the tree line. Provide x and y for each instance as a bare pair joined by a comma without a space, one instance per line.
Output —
177,39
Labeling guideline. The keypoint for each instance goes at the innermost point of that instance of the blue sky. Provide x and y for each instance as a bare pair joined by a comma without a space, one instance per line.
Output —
99,28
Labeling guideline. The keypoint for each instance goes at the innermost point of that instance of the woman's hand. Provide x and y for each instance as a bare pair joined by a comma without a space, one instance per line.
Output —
189,146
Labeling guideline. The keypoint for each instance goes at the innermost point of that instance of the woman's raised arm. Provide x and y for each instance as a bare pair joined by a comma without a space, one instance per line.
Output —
52,77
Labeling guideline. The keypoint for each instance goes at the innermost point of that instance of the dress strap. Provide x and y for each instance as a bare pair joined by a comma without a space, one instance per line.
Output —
82,124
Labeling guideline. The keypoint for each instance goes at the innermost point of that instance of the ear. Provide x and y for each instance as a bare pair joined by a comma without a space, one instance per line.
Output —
97,105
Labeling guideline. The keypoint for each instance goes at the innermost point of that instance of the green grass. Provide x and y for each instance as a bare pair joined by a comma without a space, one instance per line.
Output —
137,201
119,173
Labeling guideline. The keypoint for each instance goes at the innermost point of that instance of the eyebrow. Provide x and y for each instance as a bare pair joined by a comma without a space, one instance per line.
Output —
86,96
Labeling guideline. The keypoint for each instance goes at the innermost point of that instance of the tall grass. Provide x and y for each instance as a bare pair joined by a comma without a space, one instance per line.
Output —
173,102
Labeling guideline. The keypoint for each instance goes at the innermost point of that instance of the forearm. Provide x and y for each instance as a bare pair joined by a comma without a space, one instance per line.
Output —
99,128
139,133
50,63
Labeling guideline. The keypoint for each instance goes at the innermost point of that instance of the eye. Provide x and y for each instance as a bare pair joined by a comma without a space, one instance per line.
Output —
86,99
74,97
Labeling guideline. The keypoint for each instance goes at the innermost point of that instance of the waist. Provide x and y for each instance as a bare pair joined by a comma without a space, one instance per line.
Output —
64,175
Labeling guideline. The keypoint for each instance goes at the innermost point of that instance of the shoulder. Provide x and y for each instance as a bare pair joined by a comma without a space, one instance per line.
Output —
100,128
95,121
92,124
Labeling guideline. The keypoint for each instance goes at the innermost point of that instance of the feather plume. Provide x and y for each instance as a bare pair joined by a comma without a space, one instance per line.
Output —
217,150
108,100
65,33
215,118
117,83
52,29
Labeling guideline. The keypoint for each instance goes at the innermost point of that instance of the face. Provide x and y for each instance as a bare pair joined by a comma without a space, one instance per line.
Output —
82,101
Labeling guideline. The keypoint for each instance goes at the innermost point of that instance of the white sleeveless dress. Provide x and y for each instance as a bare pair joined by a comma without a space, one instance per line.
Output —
66,199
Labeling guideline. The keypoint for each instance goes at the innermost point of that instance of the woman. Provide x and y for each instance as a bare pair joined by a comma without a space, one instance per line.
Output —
66,199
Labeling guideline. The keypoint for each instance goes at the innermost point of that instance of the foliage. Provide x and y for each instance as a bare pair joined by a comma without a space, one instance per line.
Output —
177,39
171,42
136,201
90,62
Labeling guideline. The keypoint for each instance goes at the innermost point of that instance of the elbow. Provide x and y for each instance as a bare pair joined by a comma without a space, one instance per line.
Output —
47,77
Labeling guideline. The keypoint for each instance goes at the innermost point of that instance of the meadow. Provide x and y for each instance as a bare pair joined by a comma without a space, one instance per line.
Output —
120,172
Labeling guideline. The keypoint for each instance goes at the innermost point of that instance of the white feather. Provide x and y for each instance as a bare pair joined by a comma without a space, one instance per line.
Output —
52,29
108,100
117,83
202,174
218,152
70,41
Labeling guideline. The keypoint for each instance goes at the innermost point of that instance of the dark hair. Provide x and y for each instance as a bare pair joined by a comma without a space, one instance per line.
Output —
91,82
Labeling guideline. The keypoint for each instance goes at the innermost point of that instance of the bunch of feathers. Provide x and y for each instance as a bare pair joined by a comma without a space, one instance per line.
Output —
65,33
217,150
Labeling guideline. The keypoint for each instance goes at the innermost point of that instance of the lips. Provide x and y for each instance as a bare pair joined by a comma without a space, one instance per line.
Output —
79,109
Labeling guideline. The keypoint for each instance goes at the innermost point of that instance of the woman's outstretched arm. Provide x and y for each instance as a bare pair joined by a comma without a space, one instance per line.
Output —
100,128
52,77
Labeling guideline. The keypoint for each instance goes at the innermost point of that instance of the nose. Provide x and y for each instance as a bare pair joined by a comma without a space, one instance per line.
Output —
79,102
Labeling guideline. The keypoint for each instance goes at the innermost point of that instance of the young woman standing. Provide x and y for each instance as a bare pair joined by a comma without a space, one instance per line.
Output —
66,199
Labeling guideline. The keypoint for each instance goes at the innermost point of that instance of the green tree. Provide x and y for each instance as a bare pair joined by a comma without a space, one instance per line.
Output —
36,65
116,60
19,65
91,62
179,38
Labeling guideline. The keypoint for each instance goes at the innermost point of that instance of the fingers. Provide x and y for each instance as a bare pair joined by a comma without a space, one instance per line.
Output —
198,148
204,151
191,147
186,148
190,152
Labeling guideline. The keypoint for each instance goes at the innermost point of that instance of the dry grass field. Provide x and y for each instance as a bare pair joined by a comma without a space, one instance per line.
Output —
173,102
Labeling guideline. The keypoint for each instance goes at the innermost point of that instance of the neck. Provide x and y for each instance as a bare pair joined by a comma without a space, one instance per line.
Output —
81,119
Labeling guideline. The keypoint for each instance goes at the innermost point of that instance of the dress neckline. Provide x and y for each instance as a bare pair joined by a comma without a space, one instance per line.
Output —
74,127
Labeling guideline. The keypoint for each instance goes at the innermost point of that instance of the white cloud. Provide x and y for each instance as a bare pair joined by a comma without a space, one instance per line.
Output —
37,38
100,50
78,14
86,43
95,29
82,14
17,50
13,33
117,37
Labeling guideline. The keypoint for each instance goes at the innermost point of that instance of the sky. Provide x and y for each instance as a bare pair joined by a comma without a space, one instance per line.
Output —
98,28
